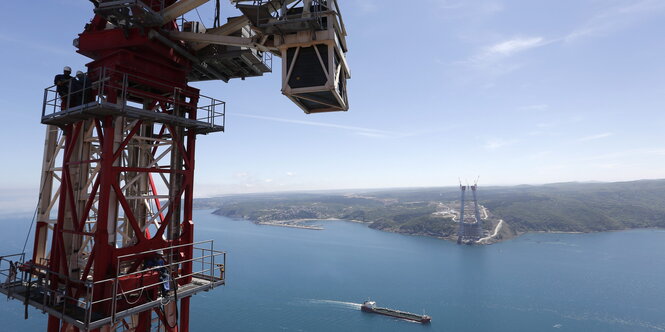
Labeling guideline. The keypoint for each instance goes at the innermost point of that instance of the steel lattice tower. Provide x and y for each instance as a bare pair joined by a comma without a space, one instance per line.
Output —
114,242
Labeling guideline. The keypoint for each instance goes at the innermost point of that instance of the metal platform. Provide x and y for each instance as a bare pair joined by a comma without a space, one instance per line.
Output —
256,14
110,92
32,286
233,62
101,108
88,319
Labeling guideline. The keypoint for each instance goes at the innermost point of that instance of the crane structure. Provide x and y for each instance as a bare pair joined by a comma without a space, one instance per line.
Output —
114,246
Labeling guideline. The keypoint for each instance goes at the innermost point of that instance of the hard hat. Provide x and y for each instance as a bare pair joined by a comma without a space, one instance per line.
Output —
78,72
67,68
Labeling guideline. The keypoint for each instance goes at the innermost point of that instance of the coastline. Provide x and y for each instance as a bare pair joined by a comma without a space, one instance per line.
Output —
595,232
316,228
297,223
495,238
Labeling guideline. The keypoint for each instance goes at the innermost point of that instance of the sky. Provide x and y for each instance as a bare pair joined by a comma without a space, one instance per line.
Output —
513,92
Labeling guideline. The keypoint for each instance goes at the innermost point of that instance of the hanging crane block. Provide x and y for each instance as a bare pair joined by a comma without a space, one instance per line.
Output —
314,68
310,37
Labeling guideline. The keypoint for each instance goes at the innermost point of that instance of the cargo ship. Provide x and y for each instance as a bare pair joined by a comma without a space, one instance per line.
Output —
370,306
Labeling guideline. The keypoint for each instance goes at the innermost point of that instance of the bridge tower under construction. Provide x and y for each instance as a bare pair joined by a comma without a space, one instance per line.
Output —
469,231
114,246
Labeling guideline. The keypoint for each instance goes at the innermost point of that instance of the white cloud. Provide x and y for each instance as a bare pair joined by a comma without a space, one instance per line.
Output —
616,18
627,154
496,143
369,132
594,137
290,174
491,60
513,46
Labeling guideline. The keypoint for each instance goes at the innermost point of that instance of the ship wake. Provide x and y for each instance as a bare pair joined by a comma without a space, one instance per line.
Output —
341,304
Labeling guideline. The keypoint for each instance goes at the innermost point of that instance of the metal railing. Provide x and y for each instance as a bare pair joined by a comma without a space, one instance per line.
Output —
213,112
50,291
8,268
131,13
282,14
264,57
326,14
124,90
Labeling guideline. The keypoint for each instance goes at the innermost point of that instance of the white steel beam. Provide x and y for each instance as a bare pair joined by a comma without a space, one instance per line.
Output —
179,8
218,39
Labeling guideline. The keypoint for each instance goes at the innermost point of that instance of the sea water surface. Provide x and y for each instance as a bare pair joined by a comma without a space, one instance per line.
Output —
285,279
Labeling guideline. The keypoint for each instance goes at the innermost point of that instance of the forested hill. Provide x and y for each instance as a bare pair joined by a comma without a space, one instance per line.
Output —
565,207
580,207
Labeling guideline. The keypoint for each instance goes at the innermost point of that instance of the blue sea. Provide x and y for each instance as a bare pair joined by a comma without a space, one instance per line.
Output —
285,279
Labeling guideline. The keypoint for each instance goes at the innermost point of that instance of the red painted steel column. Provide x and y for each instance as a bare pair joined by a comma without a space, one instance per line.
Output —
144,321
184,314
104,251
53,324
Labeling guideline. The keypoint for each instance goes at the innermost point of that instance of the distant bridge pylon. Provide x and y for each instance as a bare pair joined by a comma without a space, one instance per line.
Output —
469,231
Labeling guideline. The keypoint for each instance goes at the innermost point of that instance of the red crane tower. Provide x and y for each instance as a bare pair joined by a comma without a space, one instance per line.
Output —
114,246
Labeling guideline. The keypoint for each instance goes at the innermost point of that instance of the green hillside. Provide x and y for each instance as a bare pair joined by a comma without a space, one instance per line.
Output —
563,207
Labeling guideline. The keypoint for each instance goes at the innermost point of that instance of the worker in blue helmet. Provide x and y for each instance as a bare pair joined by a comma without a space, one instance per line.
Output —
63,86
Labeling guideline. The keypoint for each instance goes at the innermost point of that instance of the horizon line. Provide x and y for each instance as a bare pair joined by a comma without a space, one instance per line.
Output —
303,191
